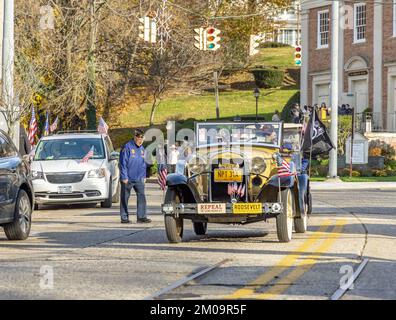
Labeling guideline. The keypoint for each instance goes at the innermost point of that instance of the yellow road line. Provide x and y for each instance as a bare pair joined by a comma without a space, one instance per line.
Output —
303,266
281,266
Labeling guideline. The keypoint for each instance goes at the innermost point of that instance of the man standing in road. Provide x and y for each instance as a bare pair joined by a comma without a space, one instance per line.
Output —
133,175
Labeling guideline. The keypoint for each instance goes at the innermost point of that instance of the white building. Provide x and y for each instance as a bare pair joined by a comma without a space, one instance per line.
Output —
289,27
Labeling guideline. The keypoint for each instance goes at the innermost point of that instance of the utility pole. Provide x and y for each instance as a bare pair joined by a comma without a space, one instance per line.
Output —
8,64
335,16
91,90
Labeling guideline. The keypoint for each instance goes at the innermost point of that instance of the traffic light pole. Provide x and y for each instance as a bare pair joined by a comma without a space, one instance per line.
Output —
352,137
216,90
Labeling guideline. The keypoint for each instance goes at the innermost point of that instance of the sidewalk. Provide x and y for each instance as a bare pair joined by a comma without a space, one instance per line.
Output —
321,186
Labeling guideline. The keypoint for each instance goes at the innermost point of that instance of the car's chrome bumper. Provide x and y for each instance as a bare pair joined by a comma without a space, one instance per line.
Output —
274,208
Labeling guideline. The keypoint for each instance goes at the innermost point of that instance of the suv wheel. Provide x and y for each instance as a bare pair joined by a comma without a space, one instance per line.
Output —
20,228
109,201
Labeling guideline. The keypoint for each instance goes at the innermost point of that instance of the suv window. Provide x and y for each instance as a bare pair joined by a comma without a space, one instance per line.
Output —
6,148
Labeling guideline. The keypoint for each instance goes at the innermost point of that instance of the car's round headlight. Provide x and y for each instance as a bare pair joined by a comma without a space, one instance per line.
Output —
196,164
258,165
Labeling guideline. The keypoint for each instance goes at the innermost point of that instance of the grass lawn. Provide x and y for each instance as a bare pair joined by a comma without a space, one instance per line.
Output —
358,179
276,57
203,107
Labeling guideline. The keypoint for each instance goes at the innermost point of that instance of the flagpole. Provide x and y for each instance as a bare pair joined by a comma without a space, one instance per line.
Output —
311,134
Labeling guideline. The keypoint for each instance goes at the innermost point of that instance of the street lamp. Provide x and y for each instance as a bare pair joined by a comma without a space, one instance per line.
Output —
256,94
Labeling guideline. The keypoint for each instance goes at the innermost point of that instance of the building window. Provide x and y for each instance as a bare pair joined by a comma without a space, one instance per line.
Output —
323,29
360,19
394,18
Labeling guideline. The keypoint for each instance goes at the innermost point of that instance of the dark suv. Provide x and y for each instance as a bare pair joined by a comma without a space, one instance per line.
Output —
16,191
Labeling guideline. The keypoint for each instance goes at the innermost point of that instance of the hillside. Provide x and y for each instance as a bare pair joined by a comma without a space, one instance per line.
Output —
236,98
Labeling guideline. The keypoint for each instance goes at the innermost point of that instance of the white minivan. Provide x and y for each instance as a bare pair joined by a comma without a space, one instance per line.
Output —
60,174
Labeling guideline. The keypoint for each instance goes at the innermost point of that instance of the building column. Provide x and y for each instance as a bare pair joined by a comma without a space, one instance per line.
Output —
377,57
305,58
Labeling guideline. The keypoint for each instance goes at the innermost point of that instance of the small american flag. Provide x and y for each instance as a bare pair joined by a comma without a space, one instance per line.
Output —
284,170
54,125
47,126
102,126
32,128
162,173
88,155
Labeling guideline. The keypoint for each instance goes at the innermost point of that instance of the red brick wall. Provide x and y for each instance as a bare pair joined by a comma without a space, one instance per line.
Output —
365,49
319,59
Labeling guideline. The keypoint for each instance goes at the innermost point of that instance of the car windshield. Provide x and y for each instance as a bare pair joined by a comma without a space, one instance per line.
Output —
72,148
260,133
292,142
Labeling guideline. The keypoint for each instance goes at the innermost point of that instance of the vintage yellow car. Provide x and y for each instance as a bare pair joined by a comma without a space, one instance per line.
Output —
239,173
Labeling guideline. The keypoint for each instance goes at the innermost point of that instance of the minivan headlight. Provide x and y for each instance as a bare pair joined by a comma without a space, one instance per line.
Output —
97,173
36,175
258,165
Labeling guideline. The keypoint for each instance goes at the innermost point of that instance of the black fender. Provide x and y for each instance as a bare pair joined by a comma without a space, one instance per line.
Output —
186,188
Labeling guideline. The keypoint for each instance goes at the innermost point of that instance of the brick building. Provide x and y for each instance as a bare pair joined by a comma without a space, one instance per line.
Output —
367,57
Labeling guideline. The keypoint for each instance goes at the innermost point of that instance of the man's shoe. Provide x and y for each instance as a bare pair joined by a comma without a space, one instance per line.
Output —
125,221
143,220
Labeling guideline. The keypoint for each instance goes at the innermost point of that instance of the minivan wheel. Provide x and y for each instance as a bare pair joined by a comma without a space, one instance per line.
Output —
109,201
20,228
116,197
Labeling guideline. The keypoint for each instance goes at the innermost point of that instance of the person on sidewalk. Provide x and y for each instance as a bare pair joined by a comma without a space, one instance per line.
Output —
133,176
276,116
172,158
24,144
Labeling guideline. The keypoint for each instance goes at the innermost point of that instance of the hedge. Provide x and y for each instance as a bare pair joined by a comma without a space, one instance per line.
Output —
271,44
268,78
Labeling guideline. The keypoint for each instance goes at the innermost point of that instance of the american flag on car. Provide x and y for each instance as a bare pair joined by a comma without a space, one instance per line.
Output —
88,155
284,169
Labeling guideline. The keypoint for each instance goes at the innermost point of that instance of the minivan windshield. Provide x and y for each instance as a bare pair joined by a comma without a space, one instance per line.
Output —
72,148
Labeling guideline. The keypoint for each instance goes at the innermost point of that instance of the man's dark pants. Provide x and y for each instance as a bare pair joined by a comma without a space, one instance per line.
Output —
138,186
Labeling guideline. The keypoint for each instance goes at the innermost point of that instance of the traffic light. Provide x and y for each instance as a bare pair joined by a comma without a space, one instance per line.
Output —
254,44
200,38
297,56
212,38
148,29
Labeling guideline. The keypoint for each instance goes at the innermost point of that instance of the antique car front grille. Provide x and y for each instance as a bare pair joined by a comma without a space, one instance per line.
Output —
219,190
63,178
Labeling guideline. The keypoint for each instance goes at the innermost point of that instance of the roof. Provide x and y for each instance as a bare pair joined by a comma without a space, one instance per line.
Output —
74,135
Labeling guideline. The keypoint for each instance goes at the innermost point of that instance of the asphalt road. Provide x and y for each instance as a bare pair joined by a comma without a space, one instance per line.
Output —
82,252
